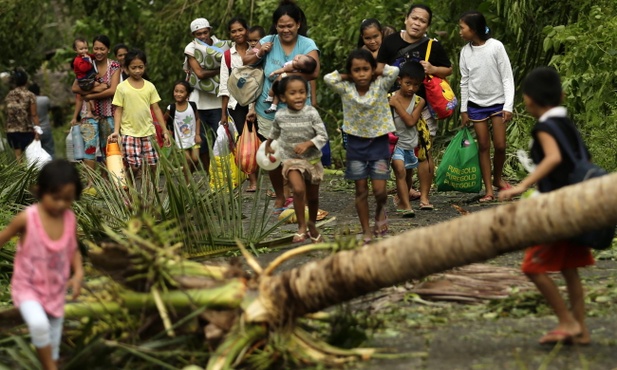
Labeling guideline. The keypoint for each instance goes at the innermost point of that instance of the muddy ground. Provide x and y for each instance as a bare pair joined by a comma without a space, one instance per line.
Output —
493,334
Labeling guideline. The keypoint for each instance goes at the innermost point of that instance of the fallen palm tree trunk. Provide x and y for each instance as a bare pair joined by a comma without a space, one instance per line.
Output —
420,252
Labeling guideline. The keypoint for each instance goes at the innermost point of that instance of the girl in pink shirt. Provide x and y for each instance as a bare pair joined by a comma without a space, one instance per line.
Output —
46,253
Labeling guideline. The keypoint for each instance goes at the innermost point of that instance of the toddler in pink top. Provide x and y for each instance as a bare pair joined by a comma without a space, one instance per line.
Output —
46,253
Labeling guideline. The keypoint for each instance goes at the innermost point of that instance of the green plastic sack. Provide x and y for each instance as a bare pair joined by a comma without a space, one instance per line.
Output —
460,166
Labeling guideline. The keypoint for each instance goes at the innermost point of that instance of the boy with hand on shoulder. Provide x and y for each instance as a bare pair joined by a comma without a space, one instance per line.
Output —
407,112
542,94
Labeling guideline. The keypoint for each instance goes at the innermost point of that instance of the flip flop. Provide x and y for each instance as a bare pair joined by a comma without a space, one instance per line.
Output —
271,194
507,186
426,207
251,189
299,238
288,202
414,194
406,213
558,336
315,240
487,199
278,210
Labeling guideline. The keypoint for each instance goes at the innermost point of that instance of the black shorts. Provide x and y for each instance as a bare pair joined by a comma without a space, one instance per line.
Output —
19,140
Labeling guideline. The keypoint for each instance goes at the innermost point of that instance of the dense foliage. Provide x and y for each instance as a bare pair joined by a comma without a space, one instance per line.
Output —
577,37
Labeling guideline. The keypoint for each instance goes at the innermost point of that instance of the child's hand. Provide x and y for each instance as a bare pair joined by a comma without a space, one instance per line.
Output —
265,48
269,149
166,140
393,100
512,192
464,119
113,138
507,116
74,284
303,147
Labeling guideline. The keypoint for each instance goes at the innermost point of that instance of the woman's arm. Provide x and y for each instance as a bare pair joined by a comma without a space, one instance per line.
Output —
109,91
17,226
552,159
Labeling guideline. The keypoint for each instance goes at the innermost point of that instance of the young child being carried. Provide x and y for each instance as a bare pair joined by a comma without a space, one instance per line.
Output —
301,134
300,63
46,254
413,136
133,99
85,70
367,120
542,94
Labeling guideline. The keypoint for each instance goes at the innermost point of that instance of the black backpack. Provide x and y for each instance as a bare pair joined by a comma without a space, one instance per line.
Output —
172,116
583,170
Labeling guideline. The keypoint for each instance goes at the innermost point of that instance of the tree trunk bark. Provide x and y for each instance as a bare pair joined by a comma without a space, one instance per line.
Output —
420,252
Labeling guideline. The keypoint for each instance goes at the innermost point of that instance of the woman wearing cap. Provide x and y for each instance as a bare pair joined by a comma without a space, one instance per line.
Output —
286,40
206,99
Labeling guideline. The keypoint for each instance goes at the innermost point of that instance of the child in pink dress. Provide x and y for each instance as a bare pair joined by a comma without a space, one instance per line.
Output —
46,253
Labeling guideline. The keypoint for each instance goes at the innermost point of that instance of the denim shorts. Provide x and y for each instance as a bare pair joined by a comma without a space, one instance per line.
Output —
407,156
360,170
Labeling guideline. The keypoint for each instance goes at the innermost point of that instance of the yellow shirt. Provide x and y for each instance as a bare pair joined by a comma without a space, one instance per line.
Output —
135,103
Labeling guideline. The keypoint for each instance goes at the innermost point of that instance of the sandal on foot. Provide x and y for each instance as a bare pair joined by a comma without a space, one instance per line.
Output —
381,227
270,194
406,213
366,241
251,189
299,238
505,186
487,199
426,207
556,336
278,210
414,194
315,240
288,202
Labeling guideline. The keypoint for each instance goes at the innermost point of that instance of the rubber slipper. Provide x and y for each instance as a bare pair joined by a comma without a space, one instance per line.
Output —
298,238
426,207
288,202
486,199
414,194
251,189
558,336
271,194
507,186
317,239
278,211
406,213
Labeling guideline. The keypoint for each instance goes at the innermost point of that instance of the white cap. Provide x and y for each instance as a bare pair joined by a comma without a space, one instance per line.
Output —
199,23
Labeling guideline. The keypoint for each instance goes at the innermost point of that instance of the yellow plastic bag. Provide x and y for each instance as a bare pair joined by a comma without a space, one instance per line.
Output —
224,171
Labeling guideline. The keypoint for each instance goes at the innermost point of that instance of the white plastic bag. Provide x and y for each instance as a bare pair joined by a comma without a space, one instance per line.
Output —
36,155
221,144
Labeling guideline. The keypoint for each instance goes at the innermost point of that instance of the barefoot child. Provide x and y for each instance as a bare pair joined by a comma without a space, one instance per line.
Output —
487,94
133,99
46,254
301,134
407,111
542,95
300,63
184,121
367,120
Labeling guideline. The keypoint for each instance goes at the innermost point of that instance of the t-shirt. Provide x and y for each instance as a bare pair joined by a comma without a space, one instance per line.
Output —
184,127
276,59
291,128
18,117
135,103
407,136
367,115
42,110
549,123
392,44
486,76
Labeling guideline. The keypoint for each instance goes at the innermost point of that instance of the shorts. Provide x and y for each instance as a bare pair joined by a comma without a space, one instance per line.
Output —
264,126
138,150
481,114
407,156
555,257
19,140
95,133
312,173
361,170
